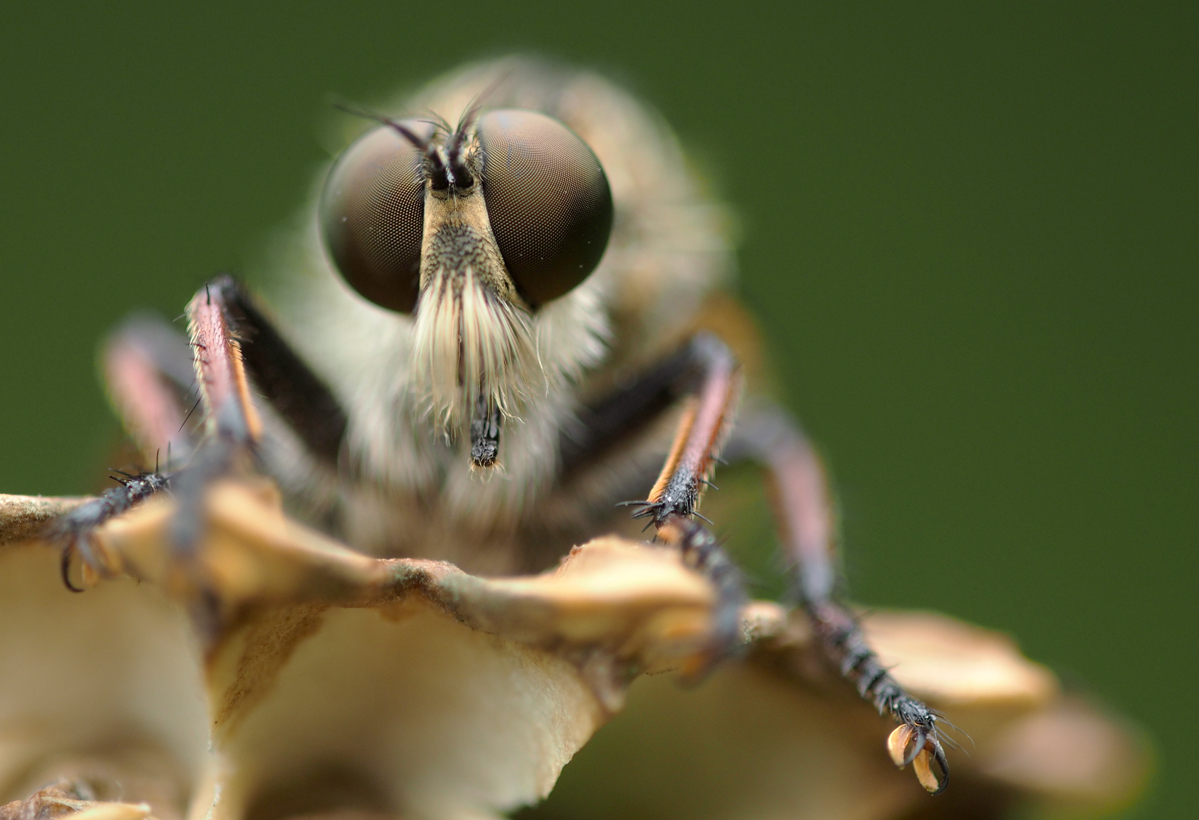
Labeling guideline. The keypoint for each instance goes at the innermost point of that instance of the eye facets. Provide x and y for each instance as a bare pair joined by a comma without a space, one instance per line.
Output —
548,201
372,215
546,195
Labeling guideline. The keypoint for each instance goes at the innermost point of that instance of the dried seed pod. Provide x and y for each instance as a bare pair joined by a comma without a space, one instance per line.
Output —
284,674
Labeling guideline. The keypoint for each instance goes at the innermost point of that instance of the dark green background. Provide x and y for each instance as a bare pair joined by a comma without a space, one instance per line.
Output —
970,235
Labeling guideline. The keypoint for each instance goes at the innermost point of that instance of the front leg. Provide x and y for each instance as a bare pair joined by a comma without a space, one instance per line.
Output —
714,381
299,397
702,375
142,360
232,426
150,369
149,372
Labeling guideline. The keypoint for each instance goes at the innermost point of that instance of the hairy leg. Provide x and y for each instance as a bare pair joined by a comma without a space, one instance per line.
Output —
703,374
148,368
704,377
299,397
804,509
151,370
713,380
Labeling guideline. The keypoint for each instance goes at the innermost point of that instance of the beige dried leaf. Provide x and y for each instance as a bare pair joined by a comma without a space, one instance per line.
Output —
23,517
274,673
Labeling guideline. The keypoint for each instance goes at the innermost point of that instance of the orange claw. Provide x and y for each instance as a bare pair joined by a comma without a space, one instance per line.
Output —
910,745
897,744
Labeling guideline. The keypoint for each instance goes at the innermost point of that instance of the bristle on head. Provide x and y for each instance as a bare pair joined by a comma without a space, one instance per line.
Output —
472,343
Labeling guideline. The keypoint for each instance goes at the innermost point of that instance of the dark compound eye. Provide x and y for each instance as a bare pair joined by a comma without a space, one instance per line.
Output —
373,215
548,201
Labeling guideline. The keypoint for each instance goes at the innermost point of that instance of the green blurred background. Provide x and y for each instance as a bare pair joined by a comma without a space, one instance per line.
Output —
970,235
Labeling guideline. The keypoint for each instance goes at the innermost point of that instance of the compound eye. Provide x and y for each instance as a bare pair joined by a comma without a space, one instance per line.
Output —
372,215
548,201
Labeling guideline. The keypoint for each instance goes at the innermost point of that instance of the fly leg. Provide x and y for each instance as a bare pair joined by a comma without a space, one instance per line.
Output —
297,396
804,510
235,346
141,361
232,427
148,369
704,375
712,378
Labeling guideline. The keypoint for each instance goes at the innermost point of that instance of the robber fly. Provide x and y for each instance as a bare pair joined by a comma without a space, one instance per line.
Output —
496,325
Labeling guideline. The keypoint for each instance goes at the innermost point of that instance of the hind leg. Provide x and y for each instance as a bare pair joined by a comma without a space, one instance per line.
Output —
804,509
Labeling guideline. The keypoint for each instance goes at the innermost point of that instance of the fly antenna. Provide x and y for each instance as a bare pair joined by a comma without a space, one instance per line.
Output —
401,129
